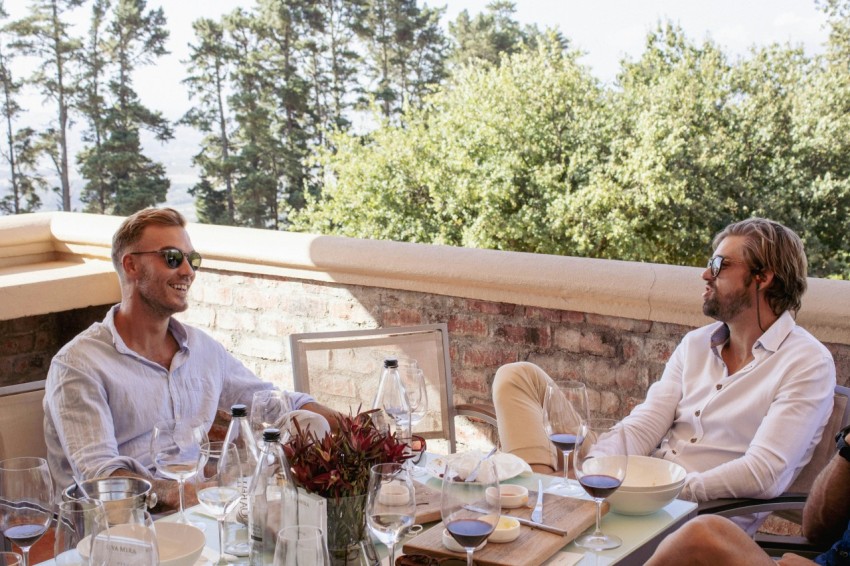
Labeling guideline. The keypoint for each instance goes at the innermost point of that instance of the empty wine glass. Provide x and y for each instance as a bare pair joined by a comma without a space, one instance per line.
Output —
600,461
470,516
133,543
391,504
270,409
415,386
26,501
176,451
219,490
564,411
301,546
80,537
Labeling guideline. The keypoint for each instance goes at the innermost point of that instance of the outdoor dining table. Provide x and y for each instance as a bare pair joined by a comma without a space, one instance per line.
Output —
640,534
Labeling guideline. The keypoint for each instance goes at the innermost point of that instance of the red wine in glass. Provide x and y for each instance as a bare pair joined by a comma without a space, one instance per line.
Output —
469,532
600,486
563,442
25,535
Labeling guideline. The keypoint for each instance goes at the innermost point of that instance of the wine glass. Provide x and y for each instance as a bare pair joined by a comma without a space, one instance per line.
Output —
176,451
81,537
470,516
564,411
301,546
219,491
391,504
600,462
137,536
10,559
26,501
269,409
413,381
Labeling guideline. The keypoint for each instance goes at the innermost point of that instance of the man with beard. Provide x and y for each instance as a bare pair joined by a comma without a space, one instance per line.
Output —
742,402
109,386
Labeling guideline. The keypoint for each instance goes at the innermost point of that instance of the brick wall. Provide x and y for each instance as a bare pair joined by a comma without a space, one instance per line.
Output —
617,358
253,316
28,344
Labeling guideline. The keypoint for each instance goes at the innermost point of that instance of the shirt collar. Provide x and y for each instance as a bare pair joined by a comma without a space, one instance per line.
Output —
771,340
177,330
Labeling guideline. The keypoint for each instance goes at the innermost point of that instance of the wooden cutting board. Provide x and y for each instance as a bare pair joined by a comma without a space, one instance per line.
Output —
427,503
533,547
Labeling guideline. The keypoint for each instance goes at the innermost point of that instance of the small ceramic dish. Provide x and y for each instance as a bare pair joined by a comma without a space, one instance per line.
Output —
511,496
450,543
507,530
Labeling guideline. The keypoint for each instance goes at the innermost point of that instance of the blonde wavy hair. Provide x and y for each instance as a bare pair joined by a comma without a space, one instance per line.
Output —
770,246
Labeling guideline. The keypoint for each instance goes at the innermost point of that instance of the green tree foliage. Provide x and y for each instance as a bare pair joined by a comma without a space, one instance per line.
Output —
476,166
20,151
534,155
121,178
45,35
490,34
405,52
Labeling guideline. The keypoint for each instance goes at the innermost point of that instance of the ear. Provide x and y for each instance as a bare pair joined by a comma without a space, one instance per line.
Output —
764,279
129,265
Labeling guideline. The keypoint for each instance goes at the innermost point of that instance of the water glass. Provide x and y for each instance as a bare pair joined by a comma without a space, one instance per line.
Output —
391,504
301,546
270,408
10,559
80,537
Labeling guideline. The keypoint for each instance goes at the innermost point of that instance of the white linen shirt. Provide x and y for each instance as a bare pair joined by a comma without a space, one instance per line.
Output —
742,435
102,399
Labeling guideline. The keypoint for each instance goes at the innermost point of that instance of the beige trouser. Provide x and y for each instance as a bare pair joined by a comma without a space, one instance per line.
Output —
518,393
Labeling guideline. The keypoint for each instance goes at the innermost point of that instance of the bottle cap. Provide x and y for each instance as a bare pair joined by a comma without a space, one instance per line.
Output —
239,410
390,363
271,435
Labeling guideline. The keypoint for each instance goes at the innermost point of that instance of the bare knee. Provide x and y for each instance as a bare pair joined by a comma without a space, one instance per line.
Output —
703,540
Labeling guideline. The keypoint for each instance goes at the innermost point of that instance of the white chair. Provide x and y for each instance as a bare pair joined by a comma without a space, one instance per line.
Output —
342,369
22,420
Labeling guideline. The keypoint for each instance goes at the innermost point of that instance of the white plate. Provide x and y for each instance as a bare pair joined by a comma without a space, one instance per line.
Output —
507,465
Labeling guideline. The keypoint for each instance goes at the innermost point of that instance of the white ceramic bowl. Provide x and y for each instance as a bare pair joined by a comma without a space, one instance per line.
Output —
646,474
507,530
179,544
509,495
627,502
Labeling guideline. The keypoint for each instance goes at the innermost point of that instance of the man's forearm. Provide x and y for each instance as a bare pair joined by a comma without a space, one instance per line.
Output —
167,491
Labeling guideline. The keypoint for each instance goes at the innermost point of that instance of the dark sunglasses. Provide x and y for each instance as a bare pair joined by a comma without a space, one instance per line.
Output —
174,257
715,264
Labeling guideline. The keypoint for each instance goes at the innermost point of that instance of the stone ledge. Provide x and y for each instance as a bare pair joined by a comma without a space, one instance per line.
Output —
640,291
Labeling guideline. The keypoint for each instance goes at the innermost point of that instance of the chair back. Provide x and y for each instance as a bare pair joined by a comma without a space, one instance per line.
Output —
22,420
342,370
825,449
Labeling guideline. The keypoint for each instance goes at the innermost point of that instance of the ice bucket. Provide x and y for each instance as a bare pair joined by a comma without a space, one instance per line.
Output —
119,495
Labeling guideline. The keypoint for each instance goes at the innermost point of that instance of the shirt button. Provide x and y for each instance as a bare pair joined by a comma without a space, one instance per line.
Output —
719,387
693,440
696,414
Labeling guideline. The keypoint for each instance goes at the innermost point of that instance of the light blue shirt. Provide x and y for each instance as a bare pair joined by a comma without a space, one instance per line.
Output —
102,399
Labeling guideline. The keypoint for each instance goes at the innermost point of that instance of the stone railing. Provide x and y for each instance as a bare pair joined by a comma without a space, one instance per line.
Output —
610,324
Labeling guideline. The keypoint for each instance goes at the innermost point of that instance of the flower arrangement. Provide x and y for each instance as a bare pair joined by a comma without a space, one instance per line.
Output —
338,464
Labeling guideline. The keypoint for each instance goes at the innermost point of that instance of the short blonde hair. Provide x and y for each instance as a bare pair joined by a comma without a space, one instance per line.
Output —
131,230
771,246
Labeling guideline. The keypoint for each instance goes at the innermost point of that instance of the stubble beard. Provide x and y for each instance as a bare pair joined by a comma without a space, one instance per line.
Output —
725,309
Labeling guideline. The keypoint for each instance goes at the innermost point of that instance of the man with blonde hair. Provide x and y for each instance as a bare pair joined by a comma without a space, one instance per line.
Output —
742,402
109,386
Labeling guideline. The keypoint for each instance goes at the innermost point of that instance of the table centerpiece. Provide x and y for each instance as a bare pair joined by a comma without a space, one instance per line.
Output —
336,467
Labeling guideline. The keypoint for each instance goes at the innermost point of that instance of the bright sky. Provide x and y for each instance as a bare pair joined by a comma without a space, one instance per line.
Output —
606,30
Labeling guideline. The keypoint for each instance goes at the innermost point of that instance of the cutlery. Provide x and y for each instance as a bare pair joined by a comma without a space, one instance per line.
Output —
537,514
522,521
474,473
